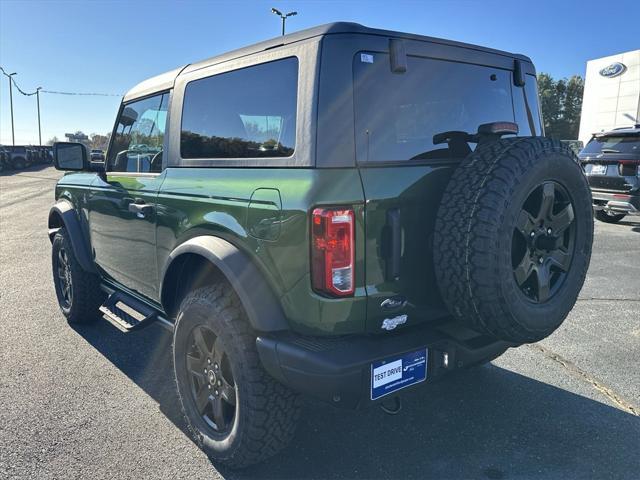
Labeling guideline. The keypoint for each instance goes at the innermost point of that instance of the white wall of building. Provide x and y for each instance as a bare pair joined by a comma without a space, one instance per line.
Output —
610,102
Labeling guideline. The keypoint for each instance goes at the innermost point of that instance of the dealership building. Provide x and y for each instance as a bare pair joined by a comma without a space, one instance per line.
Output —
611,94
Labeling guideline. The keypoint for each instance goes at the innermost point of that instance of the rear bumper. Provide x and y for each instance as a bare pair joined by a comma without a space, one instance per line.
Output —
616,202
338,370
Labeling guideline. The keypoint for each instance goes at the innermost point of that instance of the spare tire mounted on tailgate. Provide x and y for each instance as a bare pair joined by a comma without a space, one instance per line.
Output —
513,238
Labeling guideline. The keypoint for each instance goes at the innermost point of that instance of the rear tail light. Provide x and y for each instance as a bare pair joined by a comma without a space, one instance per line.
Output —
628,168
332,251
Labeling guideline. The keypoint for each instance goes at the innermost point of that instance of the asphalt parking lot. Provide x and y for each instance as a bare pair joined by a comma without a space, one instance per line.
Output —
90,402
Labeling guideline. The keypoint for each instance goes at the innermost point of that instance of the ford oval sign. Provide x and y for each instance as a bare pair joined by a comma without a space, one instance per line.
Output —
613,70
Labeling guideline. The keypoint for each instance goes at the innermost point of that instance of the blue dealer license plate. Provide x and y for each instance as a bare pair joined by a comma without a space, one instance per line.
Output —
395,373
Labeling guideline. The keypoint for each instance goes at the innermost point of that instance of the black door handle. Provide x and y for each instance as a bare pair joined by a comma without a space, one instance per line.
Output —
140,208
394,245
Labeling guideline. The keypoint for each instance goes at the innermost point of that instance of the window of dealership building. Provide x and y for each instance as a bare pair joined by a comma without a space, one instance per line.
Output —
611,94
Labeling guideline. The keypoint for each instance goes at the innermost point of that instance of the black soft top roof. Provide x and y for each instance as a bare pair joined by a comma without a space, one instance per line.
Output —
166,80
335,28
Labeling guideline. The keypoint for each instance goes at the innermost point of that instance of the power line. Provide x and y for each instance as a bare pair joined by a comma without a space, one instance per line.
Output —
82,93
26,94
12,80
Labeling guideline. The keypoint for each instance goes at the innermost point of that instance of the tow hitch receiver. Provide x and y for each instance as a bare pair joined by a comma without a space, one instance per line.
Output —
393,409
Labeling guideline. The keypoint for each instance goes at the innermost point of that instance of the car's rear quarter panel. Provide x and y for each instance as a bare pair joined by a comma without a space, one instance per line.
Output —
200,201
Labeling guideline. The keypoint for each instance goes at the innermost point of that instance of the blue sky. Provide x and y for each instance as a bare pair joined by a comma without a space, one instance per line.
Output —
109,46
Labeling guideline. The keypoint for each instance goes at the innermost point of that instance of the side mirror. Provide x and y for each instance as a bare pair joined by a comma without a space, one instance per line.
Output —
70,156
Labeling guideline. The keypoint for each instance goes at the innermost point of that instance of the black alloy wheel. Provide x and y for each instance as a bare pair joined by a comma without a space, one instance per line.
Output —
213,389
65,282
513,236
78,292
237,413
543,242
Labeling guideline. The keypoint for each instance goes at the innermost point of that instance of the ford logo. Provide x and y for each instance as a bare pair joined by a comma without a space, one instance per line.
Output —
613,70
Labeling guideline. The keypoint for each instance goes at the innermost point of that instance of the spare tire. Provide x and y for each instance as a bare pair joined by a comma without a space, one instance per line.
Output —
513,236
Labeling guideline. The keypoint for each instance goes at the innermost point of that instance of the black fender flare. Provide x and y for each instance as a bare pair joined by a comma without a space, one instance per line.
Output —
63,215
258,299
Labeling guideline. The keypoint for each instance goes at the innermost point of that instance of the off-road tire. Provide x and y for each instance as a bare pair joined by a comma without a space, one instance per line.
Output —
86,295
267,413
605,217
19,163
475,229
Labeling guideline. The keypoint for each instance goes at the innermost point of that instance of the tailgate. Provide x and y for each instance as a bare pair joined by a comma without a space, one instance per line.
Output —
405,170
400,212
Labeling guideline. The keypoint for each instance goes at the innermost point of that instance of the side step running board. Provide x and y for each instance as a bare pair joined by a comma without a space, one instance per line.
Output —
126,313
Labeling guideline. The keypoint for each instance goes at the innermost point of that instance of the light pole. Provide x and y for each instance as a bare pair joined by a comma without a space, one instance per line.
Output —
13,135
39,129
283,16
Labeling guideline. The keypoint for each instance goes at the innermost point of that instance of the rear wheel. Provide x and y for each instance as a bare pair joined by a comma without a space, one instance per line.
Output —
238,414
609,217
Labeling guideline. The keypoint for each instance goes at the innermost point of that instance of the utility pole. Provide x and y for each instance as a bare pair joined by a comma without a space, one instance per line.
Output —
13,134
39,129
283,16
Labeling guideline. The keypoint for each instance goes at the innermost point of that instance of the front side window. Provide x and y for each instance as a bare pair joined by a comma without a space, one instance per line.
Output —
245,113
397,115
139,136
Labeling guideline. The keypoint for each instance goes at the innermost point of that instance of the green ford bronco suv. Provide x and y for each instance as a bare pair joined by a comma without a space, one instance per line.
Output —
341,213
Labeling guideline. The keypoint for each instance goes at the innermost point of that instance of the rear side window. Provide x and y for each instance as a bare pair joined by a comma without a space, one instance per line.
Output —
621,144
397,115
246,113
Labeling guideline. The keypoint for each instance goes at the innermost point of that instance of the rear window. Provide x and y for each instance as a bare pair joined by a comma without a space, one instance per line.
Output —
613,144
526,107
397,115
246,113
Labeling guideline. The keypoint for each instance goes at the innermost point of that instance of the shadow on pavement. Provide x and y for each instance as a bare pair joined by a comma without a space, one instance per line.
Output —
486,423
633,222
32,168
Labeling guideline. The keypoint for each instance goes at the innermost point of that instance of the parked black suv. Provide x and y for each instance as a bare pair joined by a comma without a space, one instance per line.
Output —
5,156
611,161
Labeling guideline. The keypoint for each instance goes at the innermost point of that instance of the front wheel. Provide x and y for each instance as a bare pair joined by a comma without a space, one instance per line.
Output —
79,294
609,217
236,412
